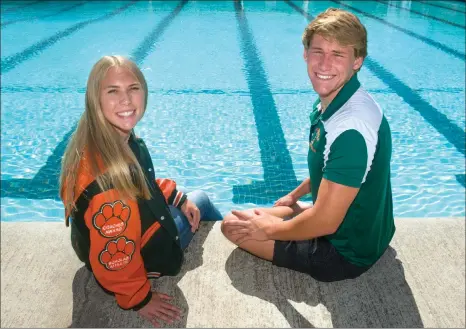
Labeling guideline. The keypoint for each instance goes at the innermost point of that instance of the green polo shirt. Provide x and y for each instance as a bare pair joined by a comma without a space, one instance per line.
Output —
350,144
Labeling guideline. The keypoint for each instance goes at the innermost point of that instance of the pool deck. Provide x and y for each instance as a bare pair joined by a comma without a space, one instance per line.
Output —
419,282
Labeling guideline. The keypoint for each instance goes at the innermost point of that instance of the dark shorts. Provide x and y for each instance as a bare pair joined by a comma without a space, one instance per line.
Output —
316,257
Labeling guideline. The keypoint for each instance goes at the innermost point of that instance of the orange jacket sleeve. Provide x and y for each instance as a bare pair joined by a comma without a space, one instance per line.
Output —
115,257
172,195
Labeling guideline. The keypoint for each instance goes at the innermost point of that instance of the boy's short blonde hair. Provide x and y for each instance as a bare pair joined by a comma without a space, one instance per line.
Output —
341,26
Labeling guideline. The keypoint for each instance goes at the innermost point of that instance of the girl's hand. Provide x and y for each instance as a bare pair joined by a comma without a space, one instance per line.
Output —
159,308
190,210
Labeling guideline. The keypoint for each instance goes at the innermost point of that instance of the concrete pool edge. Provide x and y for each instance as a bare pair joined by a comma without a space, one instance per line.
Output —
38,268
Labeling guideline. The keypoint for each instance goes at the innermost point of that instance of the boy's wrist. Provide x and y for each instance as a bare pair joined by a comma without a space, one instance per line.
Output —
272,229
294,196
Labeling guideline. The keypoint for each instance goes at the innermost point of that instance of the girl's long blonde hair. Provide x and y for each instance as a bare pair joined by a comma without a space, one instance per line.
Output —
111,162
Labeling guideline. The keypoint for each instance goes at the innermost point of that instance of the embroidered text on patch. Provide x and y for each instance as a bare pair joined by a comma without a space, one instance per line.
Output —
112,218
117,254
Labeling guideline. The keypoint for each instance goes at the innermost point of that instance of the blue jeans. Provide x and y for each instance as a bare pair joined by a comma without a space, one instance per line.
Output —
207,210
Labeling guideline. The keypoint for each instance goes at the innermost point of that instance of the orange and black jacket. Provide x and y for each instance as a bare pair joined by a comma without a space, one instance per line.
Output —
126,242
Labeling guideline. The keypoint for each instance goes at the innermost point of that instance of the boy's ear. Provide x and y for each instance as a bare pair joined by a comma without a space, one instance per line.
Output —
357,63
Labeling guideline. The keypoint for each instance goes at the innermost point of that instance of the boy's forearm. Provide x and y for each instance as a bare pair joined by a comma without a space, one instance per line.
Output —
307,225
303,189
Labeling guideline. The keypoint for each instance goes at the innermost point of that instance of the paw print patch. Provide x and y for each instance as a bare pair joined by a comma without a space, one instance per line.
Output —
112,219
117,254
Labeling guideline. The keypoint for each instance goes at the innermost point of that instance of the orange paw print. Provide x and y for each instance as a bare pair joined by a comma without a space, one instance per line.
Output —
112,219
117,254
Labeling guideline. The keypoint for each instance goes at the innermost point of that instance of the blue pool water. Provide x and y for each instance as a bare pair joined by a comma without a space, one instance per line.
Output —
229,95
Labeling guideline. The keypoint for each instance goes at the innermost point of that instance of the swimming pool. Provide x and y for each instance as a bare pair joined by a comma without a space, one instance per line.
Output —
229,96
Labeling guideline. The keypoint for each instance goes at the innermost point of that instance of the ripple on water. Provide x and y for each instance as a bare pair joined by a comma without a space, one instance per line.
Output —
424,166
25,210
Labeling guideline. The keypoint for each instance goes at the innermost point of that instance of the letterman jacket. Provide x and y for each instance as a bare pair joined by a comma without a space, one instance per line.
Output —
125,242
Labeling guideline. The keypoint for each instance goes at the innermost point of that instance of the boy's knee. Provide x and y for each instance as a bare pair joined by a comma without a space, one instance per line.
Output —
223,226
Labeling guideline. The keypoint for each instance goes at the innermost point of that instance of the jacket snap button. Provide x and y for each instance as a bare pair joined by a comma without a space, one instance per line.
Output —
162,218
150,169
176,237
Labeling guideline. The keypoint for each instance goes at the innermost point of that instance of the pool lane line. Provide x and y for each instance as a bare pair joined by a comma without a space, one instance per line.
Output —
454,134
149,42
279,175
45,184
12,61
8,10
28,19
422,14
431,3
426,40
461,178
